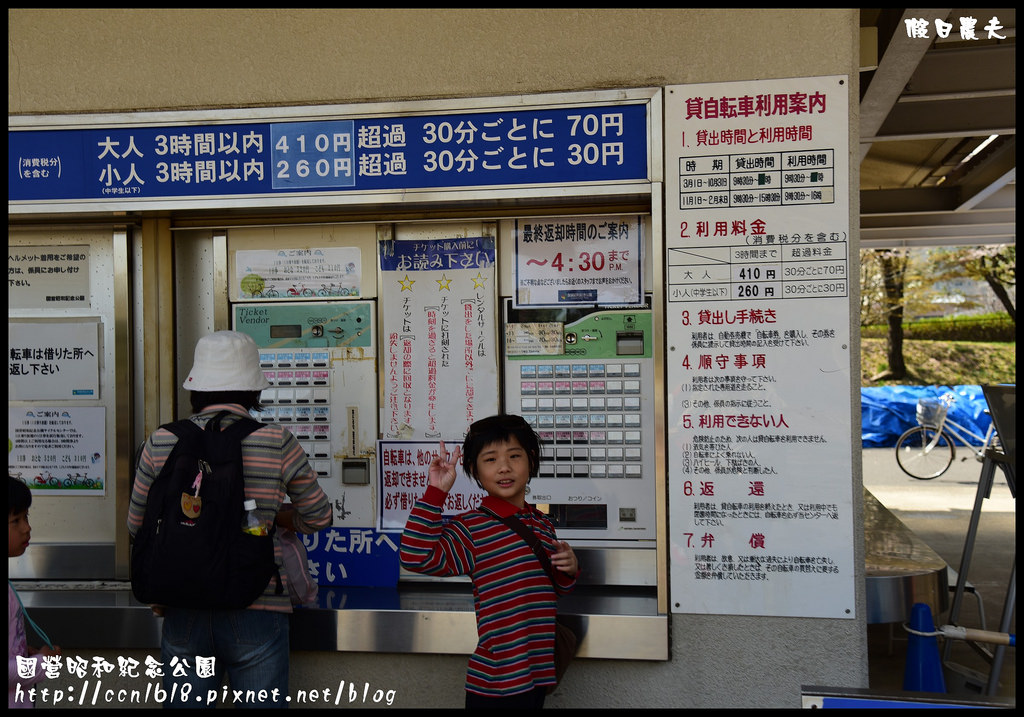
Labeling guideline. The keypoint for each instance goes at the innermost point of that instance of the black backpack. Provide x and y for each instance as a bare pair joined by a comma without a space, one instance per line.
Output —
191,550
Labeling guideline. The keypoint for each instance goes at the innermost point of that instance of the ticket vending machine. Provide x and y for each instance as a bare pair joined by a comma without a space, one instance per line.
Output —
584,378
320,361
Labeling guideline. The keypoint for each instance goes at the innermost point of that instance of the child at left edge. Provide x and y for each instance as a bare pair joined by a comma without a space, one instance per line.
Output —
19,498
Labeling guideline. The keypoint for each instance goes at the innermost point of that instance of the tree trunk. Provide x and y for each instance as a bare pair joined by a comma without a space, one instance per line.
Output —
991,274
1004,297
894,348
894,268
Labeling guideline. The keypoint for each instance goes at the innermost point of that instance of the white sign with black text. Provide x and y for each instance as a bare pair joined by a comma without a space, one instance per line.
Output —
758,359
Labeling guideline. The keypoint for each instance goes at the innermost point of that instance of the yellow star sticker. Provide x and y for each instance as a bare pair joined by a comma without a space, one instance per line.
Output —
478,281
407,283
444,283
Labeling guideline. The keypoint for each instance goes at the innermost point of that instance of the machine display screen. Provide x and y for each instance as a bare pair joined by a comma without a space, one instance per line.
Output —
286,331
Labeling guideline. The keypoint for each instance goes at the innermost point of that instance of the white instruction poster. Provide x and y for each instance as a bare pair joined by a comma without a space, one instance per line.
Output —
53,361
579,261
48,277
306,273
403,467
758,348
58,450
439,366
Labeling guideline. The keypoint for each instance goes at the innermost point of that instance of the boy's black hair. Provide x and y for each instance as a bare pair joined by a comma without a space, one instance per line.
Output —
249,400
495,429
19,497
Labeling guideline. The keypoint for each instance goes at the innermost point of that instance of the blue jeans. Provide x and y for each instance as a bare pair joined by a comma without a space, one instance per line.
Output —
250,646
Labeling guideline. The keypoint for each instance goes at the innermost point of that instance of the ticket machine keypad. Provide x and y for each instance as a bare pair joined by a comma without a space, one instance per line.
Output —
587,416
299,398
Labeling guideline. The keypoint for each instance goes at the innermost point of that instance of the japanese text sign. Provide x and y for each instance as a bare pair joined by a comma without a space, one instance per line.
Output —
352,557
52,360
58,449
440,369
578,261
557,145
47,277
758,364
402,467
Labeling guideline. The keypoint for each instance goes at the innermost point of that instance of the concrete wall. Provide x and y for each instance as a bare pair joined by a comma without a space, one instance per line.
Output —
79,61
65,61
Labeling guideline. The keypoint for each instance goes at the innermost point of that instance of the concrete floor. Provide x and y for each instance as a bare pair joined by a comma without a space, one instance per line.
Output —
939,512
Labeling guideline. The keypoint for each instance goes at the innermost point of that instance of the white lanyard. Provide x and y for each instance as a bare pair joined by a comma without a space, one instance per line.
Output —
39,630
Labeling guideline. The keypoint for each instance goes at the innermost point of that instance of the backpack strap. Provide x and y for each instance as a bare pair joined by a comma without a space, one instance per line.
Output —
239,430
243,426
182,428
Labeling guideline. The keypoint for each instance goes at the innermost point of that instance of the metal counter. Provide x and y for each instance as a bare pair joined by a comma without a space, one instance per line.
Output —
900,569
421,618
618,621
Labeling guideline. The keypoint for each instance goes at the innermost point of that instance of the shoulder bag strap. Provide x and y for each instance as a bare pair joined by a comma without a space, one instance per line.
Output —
531,540
243,426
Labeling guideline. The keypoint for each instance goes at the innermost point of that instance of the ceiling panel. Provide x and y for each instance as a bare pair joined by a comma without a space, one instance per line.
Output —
926,104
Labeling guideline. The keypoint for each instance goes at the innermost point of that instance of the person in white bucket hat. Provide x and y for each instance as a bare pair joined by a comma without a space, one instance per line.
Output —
251,644
226,361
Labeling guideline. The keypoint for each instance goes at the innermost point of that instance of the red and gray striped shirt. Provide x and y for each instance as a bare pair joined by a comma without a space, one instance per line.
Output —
275,466
514,599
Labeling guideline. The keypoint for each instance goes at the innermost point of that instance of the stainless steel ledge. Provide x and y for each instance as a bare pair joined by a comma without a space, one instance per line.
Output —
431,619
64,561
900,568
618,621
91,614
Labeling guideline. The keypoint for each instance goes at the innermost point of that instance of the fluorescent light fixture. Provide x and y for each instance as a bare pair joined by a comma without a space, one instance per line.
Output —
980,147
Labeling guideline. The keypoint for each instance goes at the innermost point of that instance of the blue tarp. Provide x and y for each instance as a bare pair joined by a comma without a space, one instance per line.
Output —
887,411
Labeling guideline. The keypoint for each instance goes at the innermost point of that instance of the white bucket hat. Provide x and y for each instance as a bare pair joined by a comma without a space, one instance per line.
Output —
226,361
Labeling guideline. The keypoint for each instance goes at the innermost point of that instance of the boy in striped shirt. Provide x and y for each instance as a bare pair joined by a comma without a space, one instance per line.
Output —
514,598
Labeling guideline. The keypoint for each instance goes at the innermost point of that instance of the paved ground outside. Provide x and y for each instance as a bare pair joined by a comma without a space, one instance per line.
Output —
939,512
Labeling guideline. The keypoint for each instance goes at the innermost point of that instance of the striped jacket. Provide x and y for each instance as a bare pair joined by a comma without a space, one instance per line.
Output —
513,596
275,465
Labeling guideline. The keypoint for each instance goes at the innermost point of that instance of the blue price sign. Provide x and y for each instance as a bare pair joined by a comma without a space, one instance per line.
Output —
313,154
124,165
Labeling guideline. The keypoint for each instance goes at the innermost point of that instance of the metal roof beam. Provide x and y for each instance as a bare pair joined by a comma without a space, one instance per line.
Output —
895,68
989,176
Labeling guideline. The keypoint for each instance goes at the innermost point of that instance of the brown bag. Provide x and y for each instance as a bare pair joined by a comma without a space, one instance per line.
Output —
565,649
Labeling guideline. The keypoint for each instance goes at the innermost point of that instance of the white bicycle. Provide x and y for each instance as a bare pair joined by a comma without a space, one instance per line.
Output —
927,450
